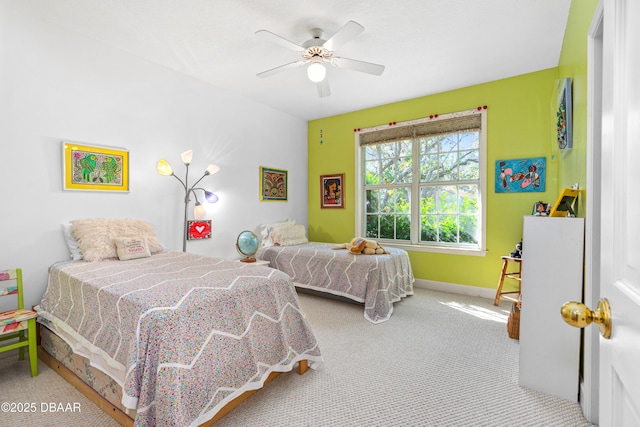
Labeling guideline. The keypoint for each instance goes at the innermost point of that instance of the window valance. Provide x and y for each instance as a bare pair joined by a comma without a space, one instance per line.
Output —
463,121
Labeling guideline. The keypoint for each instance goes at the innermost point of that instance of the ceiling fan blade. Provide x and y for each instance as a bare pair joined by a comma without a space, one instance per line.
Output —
343,35
268,35
323,88
365,67
281,68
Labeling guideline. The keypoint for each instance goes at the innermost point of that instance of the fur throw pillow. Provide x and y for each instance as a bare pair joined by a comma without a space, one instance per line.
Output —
96,237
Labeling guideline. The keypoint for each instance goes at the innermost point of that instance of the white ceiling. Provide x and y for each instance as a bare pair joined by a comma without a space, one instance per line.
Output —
427,46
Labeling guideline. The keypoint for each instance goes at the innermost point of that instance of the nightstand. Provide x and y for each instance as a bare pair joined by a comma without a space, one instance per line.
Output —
257,262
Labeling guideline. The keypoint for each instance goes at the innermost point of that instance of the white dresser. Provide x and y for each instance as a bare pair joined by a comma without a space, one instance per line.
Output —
552,267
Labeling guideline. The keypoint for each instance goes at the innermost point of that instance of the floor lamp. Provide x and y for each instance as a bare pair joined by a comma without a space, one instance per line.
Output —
165,169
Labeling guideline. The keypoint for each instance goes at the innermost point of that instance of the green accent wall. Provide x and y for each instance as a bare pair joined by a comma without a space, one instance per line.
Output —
573,63
520,124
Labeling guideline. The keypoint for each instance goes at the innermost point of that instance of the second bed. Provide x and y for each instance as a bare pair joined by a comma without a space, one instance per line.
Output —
377,281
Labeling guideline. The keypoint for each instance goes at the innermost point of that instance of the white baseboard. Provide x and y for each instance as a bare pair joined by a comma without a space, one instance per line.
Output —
455,289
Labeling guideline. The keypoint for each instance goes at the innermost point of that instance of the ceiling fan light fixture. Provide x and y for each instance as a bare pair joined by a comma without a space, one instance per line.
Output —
316,71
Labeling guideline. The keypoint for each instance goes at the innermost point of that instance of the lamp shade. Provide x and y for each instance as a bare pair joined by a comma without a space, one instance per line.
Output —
187,156
199,211
164,168
316,72
211,169
211,197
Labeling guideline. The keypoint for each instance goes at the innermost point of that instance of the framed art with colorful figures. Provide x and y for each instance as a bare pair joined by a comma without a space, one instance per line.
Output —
521,175
273,184
332,191
91,167
564,115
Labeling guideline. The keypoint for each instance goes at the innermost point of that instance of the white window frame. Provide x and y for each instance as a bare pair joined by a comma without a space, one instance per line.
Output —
360,223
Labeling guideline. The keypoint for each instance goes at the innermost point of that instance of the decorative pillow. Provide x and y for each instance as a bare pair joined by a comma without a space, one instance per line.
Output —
96,237
132,248
72,244
289,235
267,229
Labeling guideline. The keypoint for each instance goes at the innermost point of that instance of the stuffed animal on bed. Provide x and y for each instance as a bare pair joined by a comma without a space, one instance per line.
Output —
358,245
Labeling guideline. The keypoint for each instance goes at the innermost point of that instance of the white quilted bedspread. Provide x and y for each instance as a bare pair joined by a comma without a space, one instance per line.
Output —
375,280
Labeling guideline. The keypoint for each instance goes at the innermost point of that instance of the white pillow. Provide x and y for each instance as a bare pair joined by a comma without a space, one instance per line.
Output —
289,235
267,229
72,243
132,248
96,237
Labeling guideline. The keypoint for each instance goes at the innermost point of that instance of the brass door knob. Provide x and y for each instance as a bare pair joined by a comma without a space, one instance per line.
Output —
579,315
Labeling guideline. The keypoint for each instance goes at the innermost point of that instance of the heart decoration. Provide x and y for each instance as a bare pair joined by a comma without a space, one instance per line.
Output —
199,229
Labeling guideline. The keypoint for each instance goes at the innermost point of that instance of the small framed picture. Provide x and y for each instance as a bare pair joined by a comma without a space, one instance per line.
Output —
273,185
91,167
564,205
199,229
332,191
540,209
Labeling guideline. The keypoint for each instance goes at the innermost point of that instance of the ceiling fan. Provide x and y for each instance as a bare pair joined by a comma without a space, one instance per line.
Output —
316,51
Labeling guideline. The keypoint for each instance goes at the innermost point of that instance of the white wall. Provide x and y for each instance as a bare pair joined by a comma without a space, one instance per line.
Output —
56,85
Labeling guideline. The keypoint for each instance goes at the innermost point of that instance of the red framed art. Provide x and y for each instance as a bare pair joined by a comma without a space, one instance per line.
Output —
332,191
199,229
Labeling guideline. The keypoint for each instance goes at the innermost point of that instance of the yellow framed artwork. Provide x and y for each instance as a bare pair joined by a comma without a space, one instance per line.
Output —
94,168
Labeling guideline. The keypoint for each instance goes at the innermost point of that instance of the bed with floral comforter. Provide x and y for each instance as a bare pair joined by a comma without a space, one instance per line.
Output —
181,333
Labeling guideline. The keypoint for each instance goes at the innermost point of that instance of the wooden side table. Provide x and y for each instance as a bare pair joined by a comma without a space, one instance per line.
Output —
504,274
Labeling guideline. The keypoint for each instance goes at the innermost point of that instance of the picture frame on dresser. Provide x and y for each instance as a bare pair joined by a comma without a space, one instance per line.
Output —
563,206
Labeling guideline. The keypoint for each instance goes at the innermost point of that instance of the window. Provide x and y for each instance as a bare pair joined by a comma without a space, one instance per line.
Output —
421,183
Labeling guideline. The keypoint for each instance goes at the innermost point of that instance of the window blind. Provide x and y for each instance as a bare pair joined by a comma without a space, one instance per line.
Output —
422,128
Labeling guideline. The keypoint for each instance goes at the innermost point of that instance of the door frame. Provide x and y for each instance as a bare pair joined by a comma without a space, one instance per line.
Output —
589,384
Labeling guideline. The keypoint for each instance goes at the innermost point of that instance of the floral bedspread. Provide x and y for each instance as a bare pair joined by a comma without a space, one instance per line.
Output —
375,280
189,333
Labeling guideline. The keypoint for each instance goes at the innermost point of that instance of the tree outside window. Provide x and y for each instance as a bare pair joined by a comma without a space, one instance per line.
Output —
422,183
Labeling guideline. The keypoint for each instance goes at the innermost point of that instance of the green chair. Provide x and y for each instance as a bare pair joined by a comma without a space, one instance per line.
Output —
14,322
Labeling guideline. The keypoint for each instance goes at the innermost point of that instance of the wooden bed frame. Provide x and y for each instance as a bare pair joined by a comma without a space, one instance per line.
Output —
116,412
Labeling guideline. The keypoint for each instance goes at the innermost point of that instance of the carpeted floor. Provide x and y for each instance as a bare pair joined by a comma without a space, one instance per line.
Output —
441,360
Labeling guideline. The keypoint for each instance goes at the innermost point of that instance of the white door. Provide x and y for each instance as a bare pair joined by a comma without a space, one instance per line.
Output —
620,221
